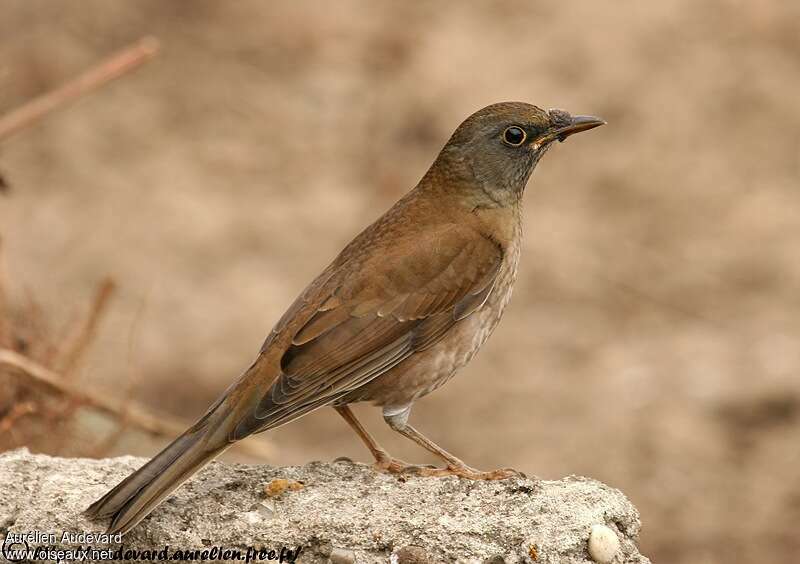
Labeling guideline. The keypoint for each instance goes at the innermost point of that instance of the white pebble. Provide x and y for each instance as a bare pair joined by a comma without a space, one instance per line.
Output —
603,544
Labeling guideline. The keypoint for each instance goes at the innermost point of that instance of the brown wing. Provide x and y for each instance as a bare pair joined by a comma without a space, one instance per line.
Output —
373,313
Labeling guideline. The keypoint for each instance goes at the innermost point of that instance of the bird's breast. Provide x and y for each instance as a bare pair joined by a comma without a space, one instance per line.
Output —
428,369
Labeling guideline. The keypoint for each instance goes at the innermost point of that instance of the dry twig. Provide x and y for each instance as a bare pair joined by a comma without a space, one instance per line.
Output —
82,334
130,413
113,67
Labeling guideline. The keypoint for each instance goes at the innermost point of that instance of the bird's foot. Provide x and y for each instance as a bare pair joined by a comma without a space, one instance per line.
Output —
388,464
391,465
464,471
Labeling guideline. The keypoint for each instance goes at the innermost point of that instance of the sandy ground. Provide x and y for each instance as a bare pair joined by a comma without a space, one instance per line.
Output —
653,341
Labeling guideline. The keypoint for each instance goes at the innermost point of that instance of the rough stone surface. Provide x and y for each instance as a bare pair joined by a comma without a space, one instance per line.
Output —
344,512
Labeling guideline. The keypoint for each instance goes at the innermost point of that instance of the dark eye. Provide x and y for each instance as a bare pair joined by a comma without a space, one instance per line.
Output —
514,136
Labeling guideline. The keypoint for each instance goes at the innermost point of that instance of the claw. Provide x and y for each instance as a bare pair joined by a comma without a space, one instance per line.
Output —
391,465
472,474
394,466
417,469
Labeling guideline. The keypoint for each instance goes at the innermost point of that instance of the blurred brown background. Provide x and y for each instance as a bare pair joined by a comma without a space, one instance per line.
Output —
653,341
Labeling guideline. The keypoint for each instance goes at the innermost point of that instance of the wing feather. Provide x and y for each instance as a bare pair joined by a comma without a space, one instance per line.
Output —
372,316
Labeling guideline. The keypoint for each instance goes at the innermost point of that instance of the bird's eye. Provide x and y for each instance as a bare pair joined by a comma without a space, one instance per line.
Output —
514,136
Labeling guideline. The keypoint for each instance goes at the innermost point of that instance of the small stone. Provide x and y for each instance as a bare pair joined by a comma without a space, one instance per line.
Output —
411,555
342,556
263,509
603,544
252,517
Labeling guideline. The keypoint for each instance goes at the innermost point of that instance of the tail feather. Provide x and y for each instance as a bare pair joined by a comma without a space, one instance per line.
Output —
137,495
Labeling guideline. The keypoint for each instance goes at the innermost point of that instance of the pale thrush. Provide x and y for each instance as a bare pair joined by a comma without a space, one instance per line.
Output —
405,305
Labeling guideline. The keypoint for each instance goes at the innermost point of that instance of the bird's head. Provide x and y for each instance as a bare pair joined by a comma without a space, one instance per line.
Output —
496,148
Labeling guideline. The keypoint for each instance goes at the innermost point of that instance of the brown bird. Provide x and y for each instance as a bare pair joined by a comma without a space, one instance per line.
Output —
405,305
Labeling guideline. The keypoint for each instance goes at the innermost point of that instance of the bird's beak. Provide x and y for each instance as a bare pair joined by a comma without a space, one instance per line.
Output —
576,125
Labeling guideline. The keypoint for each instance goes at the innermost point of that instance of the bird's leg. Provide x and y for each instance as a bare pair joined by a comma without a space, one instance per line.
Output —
455,467
383,460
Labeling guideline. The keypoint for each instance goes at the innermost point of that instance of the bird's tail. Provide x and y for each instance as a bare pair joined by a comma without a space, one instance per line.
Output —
136,496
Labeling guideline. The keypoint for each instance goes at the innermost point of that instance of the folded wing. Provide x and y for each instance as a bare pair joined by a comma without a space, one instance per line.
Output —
399,301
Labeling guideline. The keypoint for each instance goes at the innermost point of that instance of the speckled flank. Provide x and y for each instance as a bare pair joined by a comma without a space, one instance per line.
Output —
426,371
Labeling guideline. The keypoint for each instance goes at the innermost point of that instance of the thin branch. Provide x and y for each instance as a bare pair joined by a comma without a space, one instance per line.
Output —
36,341
145,421
130,413
111,68
82,335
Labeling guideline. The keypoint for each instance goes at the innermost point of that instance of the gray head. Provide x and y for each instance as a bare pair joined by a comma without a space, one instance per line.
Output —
500,145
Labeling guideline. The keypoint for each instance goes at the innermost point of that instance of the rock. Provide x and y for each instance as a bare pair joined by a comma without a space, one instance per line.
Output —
342,556
343,511
411,555
603,544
